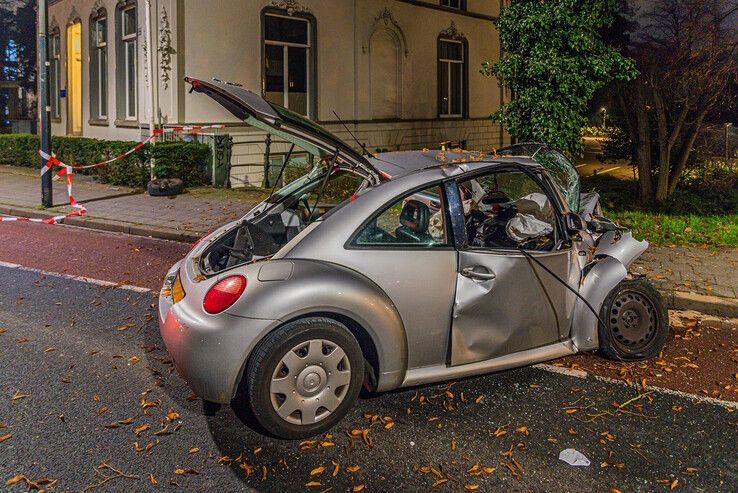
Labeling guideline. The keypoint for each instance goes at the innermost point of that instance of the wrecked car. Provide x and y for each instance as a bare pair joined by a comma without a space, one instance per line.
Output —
395,270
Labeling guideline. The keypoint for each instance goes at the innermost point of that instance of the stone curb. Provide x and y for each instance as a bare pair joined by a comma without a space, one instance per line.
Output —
710,305
92,222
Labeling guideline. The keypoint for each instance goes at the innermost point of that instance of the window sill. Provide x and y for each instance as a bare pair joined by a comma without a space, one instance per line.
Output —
126,123
98,122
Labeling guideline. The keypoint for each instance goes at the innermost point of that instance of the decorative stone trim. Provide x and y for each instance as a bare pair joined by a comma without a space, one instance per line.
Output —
386,18
452,33
165,48
292,7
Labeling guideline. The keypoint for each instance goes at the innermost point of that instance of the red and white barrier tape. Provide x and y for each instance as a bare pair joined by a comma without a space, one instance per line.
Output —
66,169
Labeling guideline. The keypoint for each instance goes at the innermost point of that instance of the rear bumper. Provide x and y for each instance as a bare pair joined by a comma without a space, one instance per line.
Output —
209,351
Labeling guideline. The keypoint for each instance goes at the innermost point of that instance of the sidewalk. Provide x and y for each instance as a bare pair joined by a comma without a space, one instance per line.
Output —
184,217
690,278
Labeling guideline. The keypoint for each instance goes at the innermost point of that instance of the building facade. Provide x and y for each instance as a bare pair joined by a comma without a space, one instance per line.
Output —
400,74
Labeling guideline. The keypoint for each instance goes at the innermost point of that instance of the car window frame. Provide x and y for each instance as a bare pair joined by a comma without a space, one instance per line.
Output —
451,237
563,240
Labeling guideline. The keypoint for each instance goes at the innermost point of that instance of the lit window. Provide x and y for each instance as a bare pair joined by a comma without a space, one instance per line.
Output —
287,62
451,77
99,66
54,62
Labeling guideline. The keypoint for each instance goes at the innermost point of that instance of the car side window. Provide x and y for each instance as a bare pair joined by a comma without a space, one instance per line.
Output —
416,220
508,209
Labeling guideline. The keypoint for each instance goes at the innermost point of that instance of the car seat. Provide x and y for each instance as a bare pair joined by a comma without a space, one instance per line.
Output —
414,220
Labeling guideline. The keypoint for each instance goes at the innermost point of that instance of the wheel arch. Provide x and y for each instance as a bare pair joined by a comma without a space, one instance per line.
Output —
321,289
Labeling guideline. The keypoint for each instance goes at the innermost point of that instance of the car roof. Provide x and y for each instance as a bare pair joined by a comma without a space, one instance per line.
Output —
400,163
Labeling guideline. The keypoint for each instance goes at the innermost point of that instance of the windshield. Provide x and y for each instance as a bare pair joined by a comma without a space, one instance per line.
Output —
562,171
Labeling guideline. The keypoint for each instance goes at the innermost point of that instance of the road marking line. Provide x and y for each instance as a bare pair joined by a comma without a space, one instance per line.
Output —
608,170
89,280
698,399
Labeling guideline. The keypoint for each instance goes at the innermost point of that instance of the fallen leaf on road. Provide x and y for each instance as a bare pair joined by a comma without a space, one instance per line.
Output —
257,450
133,360
336,468
102,410
5,437
352,469
21,340
471,487
614,490
48,350
18,396
126,421
182,472
318,470
194,450
141,429
358,488
690,470
439,482
522,429
152,479
172,415
312,484
146,404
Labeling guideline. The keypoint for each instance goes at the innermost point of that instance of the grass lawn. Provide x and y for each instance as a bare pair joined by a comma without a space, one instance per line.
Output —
693,217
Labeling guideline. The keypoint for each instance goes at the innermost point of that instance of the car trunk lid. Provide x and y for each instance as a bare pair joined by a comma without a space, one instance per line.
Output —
296,129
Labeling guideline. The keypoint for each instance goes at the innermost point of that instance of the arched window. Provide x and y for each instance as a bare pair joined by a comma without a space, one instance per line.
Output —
127,60
288,54
453,74
54,64
99,65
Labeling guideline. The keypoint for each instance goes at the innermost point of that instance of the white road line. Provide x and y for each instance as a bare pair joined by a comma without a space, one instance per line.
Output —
580,165
96,282
698,399
608,170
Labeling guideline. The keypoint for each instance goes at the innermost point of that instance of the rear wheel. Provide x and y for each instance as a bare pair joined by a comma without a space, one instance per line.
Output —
637,322
304,377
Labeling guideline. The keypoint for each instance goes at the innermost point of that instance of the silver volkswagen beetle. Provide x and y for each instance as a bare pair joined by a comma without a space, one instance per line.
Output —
398,269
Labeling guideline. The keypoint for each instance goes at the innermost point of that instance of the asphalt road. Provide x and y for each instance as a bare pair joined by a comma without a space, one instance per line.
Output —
75,357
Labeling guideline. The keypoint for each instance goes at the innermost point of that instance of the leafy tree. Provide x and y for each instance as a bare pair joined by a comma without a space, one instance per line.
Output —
554,60
687,54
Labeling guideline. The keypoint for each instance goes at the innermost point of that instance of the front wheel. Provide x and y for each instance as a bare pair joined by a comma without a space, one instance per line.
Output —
304,377
637,323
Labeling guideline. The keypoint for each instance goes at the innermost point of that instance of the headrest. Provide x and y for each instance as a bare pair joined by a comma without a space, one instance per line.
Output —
415,216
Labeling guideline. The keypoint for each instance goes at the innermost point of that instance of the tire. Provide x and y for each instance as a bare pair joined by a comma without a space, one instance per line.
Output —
165,187
319,373
637,322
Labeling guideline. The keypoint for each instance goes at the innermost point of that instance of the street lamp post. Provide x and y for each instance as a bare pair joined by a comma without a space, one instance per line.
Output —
44,109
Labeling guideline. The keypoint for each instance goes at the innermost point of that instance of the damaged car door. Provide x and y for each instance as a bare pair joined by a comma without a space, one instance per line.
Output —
505,303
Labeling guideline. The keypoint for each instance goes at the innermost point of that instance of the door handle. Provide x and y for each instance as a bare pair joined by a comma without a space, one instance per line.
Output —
479,276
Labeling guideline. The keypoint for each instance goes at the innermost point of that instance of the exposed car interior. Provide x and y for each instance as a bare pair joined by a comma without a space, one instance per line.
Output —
283,215
409,222
507,209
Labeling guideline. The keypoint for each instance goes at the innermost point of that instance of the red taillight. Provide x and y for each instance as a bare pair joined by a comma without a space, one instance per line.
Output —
223,294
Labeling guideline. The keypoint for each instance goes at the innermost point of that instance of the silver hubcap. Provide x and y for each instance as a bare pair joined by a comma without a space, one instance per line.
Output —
633,321
310,381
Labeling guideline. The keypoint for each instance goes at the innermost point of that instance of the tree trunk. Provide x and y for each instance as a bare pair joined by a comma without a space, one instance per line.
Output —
662,185
639,131
685,152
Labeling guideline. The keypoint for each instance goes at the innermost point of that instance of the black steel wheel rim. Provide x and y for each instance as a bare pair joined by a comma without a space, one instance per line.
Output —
633,322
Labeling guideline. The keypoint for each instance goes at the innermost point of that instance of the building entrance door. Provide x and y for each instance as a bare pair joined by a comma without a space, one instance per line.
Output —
74,79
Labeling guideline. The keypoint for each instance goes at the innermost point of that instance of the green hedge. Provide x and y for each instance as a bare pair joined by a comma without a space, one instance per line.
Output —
185,160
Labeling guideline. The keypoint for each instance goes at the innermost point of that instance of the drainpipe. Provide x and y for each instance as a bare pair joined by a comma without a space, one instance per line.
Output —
153,81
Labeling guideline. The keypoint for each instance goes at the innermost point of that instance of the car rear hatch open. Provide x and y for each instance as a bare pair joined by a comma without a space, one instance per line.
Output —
281,122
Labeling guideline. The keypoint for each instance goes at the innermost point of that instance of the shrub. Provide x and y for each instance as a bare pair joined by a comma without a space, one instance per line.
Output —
185,160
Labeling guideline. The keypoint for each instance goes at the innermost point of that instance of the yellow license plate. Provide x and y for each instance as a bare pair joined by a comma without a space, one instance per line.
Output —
178,291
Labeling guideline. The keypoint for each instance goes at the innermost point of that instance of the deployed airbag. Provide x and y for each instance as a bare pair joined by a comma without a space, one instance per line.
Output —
525,227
